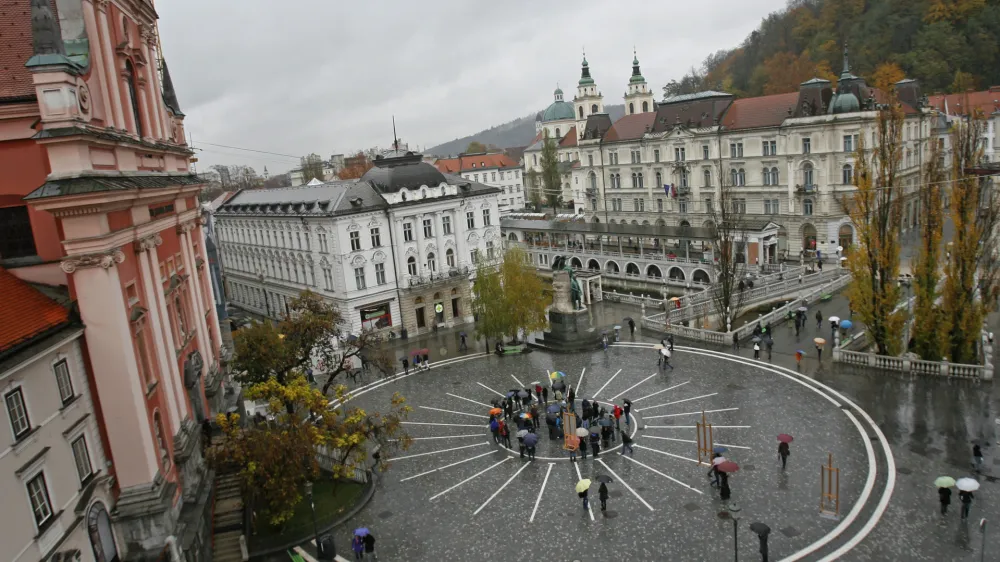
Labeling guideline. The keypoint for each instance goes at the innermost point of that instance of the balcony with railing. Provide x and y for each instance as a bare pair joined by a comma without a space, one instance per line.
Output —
437,278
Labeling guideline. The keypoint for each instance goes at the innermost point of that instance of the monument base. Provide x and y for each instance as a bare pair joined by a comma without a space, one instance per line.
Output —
569,332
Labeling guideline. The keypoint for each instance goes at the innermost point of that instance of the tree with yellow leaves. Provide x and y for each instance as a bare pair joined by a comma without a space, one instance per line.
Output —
970,288
930,333
876,211
275,456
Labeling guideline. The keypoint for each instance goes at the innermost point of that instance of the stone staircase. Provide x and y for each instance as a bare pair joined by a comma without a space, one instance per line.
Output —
227,525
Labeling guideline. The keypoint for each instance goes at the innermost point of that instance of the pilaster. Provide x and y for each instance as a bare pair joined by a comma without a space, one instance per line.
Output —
110,69
97,50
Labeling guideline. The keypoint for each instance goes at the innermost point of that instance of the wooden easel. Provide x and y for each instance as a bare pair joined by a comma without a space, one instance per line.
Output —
570,440
706,444
829,481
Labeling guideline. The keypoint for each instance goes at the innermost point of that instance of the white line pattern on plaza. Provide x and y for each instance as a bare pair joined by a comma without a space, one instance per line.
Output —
668,477
624,483
474,476
468,400
394,459
578,478
667,454
538,500
660,391
691,441
689,413
500,394
607,383
446,466
679,401
500,489
480,416
615,397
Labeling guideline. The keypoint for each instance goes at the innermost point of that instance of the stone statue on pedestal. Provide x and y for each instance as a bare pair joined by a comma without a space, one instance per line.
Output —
566,288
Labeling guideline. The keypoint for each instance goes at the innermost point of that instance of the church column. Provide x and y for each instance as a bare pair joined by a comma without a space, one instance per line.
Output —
119,387
397,235
211,317
97,50
110,69
163,326
790,174
194,293
164,351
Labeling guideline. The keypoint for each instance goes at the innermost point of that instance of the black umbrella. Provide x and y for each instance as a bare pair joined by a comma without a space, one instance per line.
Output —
550,418
511,393
628,319
522,394
757,526
627,401
560,385
603,478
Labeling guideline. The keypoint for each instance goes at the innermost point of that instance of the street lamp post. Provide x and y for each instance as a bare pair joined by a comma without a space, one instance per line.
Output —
733,509
312,506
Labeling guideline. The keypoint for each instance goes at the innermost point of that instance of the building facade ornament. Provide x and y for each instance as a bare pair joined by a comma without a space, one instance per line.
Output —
104,260
150,242
185,227
102,5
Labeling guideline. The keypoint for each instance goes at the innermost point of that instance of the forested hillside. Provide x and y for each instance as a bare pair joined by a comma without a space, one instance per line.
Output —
949,45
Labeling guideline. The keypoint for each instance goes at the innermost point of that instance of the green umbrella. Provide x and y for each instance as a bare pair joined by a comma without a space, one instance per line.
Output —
944,482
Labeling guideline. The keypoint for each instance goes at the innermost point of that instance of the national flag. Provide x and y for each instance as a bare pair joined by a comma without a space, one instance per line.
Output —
666,189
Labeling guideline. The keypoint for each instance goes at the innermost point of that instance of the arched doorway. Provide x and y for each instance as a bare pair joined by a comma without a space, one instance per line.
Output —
685,224
612,267
808,237
575,263
593,265
676,273
595,219
653,271
512,237
700,276
102,539
631,269
782,242
845,237
661,222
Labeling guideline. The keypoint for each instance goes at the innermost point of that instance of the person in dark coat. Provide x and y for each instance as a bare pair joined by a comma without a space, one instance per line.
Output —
505,434
631,326
583,494
736,341
627,444
670,340
966,498
944,496
570,399
595,444
370,545
538,393
713,473
358,546
819,319
602,493
770,347
783,453
596,409
406,365
534,416
495,430
508,409
724,491
977,457
462,345
585,408
545,394
627,410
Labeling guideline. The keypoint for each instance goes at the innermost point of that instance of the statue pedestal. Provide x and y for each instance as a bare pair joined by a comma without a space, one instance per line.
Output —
569,332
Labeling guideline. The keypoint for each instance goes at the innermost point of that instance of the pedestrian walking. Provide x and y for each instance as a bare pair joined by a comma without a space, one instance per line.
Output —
770,348
670,340
819,320
660,353
572,448
666,358
538,393
819,352
626,410
627,444
583,494
603,494
586,408
798,359
416,362
426,363
495,429
545,395
631,327
724,491
713,472
756,350
370,545
508,409
358,546
944,496
461,342
783,452
606,434
966,498
406,366
595,410
595,444
617,413
736,341
977,457
505,434
571,399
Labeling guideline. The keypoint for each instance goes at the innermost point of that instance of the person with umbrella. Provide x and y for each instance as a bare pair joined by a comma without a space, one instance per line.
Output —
461,344
783,450
520,441
581,490
595,442
406,365
495,429
798,359
358,546
505,434
666,358
762,531
944,485
713,472
530,441
820,342
965,488
724,491
631,326
370,545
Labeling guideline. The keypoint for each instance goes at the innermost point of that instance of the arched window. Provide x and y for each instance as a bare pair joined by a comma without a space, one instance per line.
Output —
807,175
161,442
411,265
775,179
741,176
133,96
581,111
593,108
707,175
684,178
593,180
635,179
449,256
645,106
659,179
767,176
807,206
431,262
848,174
640,179
558,134
732,176
631,108
102,539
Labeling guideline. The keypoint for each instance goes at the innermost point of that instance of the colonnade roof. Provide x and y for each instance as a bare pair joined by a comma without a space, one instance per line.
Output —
600,228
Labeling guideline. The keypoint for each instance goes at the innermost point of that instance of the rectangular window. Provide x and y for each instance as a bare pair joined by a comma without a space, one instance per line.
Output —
428,228
486,217
636,156
376,237
659,205
682,206
770,148
63,381
446,224
613,158
489,250
16,239
359,277
142,352
475,176
322,243
708,205
470,220
493,176
739,206
771,207
355,241
407,232
848,143
18,413
656,155
704,152
679,155
81,456
806,145
41,505
380,274
736,150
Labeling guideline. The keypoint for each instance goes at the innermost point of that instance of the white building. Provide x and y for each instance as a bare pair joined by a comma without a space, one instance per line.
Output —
493,169
54,482
392,250
790,156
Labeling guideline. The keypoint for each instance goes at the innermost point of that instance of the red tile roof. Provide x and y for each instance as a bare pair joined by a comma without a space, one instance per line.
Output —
465,163
15,49
987,101
630,127
570,138
764,111
25,312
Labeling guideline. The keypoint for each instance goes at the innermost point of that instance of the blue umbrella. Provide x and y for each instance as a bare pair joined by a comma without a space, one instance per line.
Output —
846,324
720,449
362,531
531,439
553,408
511,393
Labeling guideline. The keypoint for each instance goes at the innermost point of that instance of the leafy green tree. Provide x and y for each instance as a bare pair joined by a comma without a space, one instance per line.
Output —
524,293
475,147
489,304
534,189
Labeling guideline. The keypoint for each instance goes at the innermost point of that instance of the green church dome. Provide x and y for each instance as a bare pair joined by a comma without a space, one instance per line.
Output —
559,110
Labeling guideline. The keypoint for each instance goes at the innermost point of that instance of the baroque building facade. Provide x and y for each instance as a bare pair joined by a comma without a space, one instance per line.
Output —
393,250
789,157
100,200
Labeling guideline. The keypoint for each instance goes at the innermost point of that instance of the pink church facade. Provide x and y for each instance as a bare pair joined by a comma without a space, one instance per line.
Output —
101,200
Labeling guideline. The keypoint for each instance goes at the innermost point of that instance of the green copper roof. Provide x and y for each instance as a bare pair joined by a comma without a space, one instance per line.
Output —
558,111
585,79
636,74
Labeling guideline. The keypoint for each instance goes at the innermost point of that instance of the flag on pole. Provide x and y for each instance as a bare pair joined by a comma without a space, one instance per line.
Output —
666,189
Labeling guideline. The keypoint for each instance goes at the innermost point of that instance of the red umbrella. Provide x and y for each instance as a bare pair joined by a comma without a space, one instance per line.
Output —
728,466
785,438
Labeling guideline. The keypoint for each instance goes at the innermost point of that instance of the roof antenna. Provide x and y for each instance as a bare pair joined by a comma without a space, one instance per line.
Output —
395,139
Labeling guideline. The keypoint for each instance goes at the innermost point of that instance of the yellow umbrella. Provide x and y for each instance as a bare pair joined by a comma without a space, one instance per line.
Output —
658,346
583,485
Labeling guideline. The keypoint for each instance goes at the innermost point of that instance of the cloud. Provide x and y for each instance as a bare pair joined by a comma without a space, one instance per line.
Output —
305,76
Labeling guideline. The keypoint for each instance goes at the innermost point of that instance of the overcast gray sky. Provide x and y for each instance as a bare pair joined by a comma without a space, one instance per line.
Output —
323,76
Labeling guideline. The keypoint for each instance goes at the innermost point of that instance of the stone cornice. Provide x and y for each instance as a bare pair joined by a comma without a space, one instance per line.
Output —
104,260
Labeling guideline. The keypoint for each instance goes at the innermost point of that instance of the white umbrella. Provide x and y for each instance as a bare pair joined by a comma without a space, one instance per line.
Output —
844,258
718,460
967,485
840,248
582,432
522,433
665,352
835,319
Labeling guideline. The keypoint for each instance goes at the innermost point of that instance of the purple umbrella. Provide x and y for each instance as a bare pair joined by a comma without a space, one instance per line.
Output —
531,439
